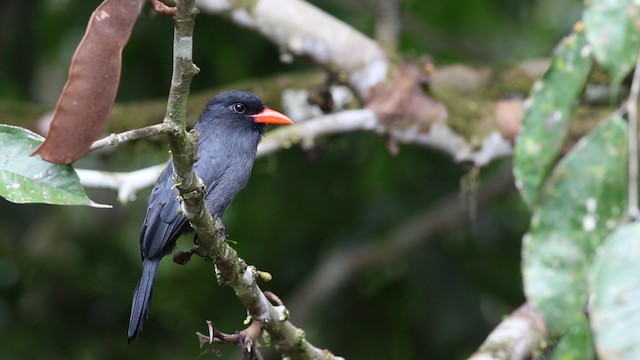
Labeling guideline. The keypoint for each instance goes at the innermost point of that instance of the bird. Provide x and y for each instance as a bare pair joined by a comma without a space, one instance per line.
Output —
229,128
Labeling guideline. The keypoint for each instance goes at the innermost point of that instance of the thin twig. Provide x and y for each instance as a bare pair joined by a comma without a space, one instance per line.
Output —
632,106
115,139
126,183
246,339
161,8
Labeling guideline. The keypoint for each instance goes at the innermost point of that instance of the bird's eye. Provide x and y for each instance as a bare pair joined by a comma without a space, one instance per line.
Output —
238,108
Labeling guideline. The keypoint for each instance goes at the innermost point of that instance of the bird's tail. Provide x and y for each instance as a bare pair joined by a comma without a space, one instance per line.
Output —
141,298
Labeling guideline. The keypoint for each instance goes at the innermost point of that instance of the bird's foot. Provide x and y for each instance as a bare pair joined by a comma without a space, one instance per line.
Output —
182,257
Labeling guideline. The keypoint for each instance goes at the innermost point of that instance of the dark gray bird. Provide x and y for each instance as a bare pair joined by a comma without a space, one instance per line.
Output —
230,128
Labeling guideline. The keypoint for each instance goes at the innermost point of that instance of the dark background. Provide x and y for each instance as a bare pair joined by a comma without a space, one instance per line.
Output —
67,273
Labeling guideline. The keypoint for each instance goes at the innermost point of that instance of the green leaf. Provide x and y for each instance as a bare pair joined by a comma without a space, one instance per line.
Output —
584,199
29,179
548,115
614,280
576,343
613,33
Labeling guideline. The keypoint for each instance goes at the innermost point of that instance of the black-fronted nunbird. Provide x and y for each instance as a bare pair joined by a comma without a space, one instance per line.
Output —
229,129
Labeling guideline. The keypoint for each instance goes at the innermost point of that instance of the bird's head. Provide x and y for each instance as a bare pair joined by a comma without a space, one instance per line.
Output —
240,110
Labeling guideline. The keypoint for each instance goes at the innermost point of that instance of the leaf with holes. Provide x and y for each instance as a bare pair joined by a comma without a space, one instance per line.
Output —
583,201
29,179
614,280
548,115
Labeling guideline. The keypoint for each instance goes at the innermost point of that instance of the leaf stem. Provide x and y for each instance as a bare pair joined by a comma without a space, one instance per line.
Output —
632,107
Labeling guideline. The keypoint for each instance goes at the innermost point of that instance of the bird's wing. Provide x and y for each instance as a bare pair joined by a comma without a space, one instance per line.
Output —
212,165
163,224
213,162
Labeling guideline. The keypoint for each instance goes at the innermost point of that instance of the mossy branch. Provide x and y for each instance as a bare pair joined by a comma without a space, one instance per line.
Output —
230,268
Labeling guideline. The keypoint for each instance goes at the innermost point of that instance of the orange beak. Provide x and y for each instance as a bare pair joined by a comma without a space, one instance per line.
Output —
269,116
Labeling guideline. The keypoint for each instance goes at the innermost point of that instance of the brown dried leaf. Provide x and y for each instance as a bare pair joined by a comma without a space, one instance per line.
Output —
94,74
404,100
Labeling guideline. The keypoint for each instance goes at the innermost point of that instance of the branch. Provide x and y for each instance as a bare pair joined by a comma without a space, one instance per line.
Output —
161,8
388,24
116,139
246,339
439,136
126,183
345,263
475,115
301,29
632,108
308,131
515,338
230,268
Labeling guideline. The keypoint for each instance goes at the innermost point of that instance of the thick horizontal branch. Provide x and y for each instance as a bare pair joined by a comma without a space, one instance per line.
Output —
298,28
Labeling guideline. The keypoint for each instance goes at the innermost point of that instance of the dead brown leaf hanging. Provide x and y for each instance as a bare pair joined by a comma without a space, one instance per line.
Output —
94,75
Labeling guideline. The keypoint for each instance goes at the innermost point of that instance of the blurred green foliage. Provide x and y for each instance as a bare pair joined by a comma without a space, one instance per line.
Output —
67,273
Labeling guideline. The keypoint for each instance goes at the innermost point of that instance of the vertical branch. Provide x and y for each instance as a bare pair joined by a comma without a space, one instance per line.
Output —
230,268
184,145
632,106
